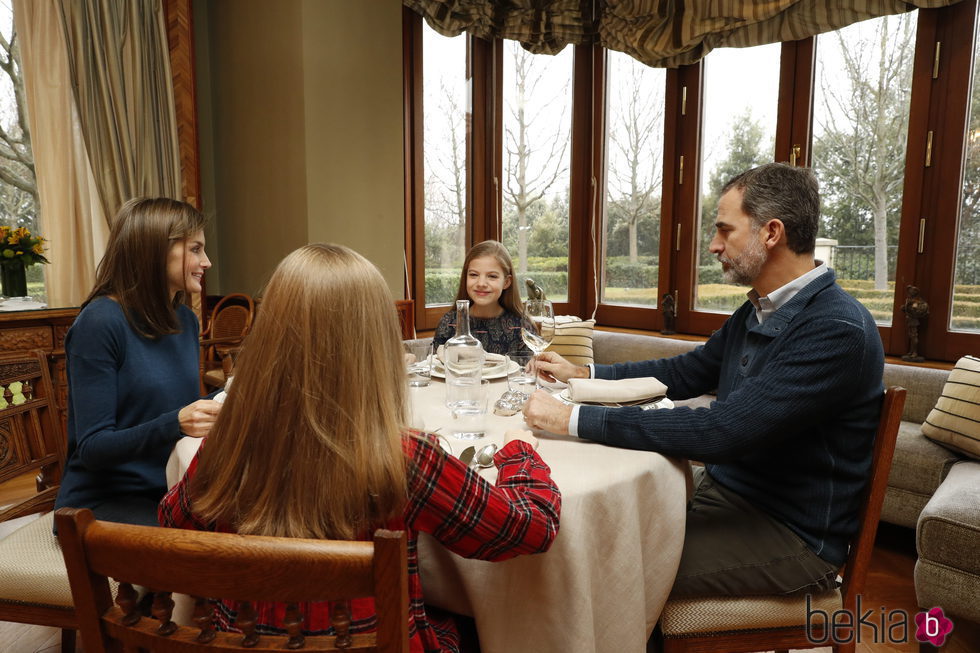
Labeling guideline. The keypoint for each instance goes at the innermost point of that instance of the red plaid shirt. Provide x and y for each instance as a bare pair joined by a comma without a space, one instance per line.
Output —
468,515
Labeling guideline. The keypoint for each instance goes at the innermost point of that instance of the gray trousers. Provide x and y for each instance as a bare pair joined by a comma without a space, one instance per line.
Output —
732,548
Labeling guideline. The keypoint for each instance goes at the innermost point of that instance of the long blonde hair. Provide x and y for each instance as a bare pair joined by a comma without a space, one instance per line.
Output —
308,442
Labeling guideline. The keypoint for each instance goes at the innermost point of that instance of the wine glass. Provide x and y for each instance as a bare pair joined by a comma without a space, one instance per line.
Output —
538,325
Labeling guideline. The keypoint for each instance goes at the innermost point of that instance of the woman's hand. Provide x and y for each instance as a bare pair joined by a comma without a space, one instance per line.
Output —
552,367
520,434
197,419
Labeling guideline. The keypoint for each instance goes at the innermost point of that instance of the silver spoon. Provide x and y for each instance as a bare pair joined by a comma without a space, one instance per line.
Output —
484,457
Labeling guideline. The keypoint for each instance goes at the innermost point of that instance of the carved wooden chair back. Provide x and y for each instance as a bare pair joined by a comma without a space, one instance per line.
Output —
244,568
231,320
33,583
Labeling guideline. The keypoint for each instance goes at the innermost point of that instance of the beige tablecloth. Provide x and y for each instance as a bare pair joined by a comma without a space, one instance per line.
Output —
602,585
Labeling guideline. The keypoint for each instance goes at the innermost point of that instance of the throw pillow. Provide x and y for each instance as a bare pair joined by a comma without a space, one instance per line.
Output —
955,421
573,339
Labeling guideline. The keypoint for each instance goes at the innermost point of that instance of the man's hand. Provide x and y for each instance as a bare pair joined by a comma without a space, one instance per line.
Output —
197,419
542,411
552,367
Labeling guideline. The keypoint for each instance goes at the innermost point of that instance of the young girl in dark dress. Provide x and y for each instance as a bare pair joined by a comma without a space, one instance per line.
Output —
487,281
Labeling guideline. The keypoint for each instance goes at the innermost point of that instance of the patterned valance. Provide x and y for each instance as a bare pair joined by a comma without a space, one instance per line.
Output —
661,33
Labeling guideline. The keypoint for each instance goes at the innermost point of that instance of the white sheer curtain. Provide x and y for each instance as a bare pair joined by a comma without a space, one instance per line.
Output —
71,214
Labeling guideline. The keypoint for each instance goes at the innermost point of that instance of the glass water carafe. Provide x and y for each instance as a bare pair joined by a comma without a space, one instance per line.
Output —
464,357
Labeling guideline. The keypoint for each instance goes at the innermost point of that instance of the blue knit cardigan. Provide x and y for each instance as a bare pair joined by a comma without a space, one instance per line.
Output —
793,424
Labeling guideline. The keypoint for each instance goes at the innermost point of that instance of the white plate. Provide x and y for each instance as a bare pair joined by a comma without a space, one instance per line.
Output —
498,373
663,402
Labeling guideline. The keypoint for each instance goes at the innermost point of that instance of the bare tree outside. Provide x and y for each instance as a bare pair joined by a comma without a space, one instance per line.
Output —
18,186
740,100
536,140
635,171
633,179
446,122
861,129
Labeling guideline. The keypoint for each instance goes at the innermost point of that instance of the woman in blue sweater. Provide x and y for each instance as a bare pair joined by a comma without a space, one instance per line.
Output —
133,384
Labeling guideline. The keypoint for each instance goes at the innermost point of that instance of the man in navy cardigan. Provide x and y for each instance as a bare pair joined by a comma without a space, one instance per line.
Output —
787,444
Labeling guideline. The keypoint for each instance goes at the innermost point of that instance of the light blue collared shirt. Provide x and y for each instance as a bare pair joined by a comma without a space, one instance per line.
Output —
766,306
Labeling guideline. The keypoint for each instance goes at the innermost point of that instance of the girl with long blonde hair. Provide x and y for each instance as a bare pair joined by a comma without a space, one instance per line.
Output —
311,442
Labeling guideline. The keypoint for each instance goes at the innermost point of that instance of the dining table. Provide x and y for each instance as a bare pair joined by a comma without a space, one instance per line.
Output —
603,583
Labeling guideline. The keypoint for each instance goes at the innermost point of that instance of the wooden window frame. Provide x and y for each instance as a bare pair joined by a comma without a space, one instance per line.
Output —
939,105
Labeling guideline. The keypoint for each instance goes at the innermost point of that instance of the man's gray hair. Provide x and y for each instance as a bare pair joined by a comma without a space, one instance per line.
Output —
785,193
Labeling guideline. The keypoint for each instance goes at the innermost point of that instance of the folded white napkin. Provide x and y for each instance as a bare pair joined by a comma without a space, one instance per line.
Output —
492,363
605,391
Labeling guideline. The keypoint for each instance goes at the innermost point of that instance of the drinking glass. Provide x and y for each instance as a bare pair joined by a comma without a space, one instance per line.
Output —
470,410
420,369
521,381
538,325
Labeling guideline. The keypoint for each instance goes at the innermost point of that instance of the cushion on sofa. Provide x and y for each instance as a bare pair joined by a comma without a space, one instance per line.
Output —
955,421
949,526
919,464
615,347
903,507
924,385
573,339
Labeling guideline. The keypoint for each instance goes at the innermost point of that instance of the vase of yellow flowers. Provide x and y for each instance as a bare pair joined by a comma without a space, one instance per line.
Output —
19,249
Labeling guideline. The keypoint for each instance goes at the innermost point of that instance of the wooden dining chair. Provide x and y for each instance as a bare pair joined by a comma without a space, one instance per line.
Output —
231,320
33,581
743,624
244,568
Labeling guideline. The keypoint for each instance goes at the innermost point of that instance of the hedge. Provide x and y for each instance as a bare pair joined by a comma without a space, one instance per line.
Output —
631,275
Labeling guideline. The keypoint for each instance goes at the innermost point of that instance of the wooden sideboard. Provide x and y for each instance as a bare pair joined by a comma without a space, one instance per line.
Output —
22,332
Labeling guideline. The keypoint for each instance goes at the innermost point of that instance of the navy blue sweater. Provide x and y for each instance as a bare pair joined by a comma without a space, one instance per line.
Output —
797,408
124,393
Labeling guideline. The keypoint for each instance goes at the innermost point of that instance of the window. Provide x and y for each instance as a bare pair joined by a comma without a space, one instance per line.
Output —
634,157
18,187
445,106
537,117
740,100
860,131
629,162
965,315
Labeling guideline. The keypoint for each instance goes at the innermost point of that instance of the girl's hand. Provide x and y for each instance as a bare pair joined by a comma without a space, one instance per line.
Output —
197,419
520,434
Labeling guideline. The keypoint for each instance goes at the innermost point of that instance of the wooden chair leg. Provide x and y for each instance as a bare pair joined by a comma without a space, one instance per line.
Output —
68,640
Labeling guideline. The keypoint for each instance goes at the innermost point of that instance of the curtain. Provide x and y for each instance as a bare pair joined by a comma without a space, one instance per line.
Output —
120,71
72,217
660,33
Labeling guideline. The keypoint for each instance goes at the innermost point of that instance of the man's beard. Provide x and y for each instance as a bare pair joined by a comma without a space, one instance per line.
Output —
744,269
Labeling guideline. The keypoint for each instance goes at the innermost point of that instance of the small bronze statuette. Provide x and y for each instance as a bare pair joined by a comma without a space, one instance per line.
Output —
669,310
916,309
534,291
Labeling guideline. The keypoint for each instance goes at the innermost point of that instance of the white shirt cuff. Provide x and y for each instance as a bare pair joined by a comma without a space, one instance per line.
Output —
573,421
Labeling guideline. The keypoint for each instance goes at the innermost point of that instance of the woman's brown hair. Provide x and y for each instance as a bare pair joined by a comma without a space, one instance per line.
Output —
308,442
510,298
133,270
